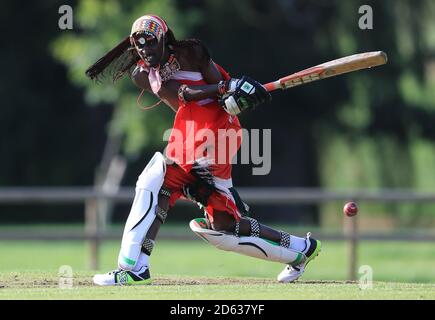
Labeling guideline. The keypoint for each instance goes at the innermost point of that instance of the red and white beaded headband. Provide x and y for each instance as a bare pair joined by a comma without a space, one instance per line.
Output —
150,24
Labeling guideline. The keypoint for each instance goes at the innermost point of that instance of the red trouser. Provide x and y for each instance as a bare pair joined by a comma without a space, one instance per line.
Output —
176,178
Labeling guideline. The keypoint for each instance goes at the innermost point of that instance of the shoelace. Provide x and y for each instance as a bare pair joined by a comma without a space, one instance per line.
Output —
115,271
308,242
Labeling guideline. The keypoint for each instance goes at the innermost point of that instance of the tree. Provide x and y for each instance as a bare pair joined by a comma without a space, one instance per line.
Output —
102,25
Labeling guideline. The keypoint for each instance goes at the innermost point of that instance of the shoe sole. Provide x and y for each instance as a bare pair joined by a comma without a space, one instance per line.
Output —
135,283
142,282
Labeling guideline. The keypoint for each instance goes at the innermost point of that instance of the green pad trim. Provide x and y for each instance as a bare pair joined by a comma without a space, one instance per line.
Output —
298,259
129,261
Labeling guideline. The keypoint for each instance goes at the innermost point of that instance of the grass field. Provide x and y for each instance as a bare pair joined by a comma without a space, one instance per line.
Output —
195,270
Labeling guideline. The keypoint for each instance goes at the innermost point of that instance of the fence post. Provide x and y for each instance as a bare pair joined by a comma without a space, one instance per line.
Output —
351,227
92,232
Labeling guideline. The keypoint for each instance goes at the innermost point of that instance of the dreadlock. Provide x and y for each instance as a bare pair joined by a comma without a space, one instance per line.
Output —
123,58
193,45
116,63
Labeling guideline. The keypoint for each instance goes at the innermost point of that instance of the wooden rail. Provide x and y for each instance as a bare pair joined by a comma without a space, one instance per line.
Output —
90,197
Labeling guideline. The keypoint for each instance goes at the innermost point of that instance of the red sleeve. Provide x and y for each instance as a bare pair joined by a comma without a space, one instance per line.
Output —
224,74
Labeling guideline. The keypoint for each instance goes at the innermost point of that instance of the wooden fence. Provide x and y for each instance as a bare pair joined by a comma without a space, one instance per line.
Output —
94,235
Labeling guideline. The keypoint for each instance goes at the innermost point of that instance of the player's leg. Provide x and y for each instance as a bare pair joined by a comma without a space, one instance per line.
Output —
248,227
148,212
246,236
225,228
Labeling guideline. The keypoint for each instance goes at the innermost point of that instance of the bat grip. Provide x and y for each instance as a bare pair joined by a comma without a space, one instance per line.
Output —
272,86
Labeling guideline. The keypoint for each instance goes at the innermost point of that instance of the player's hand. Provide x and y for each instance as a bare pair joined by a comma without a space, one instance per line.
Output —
231,85
247,95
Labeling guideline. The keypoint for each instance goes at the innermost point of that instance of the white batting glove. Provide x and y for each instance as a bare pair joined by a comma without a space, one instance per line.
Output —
232,85
231,106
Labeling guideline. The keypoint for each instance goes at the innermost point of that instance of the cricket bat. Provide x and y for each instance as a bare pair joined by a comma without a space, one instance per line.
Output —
330,69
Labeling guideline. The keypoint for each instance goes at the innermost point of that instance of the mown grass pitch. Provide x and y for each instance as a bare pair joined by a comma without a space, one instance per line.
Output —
42,285
195,270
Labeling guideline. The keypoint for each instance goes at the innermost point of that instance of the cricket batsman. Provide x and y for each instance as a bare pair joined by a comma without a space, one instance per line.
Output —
205,98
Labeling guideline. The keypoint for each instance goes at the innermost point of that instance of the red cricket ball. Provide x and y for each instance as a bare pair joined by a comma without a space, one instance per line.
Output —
350,209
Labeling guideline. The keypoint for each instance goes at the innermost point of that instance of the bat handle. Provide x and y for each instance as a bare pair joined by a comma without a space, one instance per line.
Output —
272,86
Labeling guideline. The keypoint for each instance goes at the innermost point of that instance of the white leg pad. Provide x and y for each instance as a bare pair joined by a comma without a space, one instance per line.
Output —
250,246
143,211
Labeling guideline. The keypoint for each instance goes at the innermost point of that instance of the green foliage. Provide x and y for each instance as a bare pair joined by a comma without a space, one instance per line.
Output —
383,137
101,26
369,130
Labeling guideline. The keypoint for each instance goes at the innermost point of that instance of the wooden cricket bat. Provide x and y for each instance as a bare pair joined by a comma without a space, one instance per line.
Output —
330,69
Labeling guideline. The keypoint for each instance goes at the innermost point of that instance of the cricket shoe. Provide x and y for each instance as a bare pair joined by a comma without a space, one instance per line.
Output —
293,272
123,277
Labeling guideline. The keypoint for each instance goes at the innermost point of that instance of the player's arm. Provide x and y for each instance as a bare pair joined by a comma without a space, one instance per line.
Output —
172,91
199,59
169,92
234,95
211,75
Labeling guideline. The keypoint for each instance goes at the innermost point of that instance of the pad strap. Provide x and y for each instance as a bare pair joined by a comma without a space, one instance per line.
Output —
255,227
163,204
237,229
147,246
285,239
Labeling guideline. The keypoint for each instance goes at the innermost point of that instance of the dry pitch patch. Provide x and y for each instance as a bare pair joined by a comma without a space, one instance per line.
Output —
44,285
20,281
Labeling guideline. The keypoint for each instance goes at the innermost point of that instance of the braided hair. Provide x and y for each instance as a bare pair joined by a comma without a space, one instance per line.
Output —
123,58
194,46
116,63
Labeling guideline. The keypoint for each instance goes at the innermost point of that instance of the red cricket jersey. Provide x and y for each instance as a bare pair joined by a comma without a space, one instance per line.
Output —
203,128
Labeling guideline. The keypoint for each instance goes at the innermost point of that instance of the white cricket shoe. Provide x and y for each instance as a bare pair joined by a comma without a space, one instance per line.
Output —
293,272
123,277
